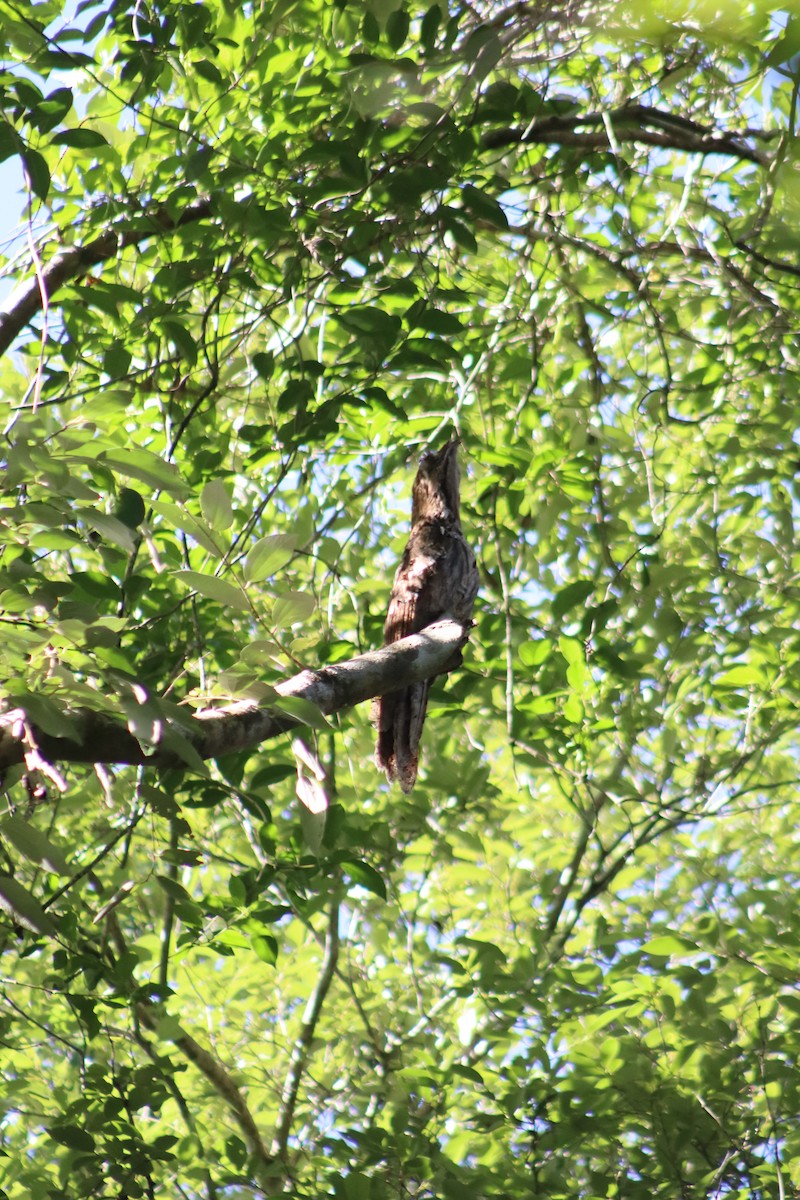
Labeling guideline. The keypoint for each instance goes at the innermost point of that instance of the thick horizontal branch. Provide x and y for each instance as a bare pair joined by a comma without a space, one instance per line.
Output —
633,124
26,301
99,738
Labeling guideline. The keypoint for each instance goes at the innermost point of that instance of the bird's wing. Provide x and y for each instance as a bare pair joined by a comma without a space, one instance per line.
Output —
409,607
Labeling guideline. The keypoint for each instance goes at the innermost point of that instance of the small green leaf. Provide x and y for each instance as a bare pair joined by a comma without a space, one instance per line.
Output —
53,109
109,528
45,712
19,904
177,332
33,844
215,589
533,654
482,205
10,142
465,1072
73,1137
209,71
436,321
38,172
571,596
147,467
303,710
264,363
79,139
397,28
178,518
741,677
175,740
215,504
266,947
291,608
430,27
174,889
669,944
370,29
268,556
365,876
462,235
129,509
366,318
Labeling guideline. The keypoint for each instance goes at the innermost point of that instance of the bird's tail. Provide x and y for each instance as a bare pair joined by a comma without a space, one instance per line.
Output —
399,718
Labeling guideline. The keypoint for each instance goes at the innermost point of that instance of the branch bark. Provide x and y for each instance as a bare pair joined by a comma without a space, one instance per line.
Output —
302,1046
223,1083
26,301
588,130
100,738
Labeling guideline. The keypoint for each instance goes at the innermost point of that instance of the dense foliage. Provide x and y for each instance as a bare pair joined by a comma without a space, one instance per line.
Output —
273,251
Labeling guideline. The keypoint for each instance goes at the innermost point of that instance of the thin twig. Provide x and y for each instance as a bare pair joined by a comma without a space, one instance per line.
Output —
316,1000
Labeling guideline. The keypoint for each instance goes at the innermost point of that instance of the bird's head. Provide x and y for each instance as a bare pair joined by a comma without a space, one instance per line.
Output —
436,487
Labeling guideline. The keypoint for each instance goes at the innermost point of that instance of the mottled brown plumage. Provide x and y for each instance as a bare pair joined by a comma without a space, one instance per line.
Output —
437,576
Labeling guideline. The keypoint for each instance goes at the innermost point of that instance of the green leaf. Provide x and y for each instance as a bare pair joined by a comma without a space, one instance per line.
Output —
430,27
482,205
18,904
573,595
268,556
174,889
215,589
73,1137
181,337
37,171
46,713
370,29
436,321
215,504
669,945
264,364
129,509
397,26
10,142
139,464
180,519
370,320
79,139
209,71
266,947
34,845
303,710
291,608
362,874
53,109
533,654
741,677
109,528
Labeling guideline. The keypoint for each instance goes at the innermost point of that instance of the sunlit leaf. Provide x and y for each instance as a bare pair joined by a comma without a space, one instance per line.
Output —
215,589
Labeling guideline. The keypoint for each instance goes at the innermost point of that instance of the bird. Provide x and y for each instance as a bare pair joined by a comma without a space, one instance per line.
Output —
437,575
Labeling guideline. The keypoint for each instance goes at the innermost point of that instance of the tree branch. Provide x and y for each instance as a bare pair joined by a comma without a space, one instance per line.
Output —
305,1038
629,125
99,737
221,1080
26,300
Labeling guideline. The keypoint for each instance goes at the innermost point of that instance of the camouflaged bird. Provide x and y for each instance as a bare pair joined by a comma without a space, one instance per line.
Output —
437,576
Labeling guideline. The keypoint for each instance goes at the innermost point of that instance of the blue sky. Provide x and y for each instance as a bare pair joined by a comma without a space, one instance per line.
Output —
12,189
12,203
